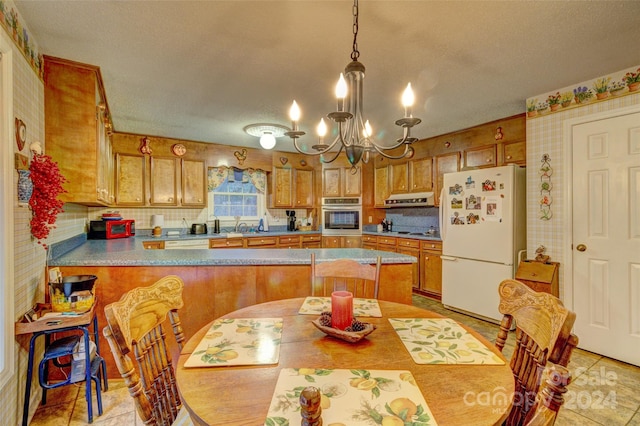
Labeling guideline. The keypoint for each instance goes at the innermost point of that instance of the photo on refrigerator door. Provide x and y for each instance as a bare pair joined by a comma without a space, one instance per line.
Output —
473,203
473,218
456,219
493,209
455,189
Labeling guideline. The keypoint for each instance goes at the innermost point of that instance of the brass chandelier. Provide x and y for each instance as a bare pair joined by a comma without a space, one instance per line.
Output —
355,135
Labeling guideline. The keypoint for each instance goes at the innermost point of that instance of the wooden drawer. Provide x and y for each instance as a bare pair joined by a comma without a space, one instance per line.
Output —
153,245
539,276
431,245
311,238
369,239
226,243
387,241
287,240
262,242
408,242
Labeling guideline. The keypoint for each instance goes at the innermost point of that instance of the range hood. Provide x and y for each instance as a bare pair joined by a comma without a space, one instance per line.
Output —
415,199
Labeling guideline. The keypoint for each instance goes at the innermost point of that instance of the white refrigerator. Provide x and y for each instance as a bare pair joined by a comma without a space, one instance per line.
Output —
483,230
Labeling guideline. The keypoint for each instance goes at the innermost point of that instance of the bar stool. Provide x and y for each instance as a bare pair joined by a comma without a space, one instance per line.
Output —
95,369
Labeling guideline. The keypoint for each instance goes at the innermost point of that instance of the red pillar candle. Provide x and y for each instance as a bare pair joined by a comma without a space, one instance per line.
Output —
341,309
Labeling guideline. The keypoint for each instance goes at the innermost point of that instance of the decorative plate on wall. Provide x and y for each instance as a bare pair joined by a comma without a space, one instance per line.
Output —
179,149
21,133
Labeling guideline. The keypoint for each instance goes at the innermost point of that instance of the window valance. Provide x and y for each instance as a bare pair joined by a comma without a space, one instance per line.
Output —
217,175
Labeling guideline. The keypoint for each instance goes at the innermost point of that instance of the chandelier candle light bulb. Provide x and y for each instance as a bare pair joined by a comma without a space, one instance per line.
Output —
341,309
341,92
408,99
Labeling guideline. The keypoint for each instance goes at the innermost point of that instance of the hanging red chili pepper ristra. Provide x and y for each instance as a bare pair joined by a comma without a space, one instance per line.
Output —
45,206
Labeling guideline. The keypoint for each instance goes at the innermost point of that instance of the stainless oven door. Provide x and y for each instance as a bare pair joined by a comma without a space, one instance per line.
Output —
342,220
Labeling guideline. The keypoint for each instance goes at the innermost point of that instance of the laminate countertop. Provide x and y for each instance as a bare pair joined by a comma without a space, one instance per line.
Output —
130,252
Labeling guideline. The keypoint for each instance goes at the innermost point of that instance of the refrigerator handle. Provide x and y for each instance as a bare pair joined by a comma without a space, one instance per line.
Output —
443,223
453,259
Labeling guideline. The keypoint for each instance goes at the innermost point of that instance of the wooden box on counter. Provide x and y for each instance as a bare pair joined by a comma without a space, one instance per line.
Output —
539,276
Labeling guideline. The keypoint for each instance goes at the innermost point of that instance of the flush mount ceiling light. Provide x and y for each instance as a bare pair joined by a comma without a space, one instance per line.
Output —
266,132
355,135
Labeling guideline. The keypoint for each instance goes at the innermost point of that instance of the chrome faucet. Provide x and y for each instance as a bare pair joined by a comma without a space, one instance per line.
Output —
242,228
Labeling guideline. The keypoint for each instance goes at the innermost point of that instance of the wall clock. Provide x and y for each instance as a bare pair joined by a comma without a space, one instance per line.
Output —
21,134
179,149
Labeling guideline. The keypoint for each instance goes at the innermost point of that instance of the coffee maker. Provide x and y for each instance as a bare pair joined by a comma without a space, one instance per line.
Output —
291,214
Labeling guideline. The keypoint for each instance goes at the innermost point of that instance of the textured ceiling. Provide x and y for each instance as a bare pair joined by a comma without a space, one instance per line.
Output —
203,70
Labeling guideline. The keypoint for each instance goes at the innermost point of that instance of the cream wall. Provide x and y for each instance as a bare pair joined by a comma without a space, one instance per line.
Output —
29,257
545,136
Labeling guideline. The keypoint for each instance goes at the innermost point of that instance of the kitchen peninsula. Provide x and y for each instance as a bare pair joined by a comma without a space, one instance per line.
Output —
217,281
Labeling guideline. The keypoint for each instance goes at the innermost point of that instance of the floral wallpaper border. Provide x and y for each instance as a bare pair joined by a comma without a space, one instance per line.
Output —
600,89
10,20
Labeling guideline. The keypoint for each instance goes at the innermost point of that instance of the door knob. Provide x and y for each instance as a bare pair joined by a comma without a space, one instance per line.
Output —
581,247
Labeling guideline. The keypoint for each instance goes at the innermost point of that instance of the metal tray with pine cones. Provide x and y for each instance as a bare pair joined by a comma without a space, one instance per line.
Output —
347,336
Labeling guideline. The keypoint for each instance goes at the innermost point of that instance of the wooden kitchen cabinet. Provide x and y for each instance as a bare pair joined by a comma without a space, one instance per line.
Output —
421,175
514,152
164,181
431,268
381,185
311,241
445,163
370,242
77,131
303,197
341,181
411,247
291,188
193,183
480,157
387,243
331,242
282,190
399,178
342,242
130,180
289,241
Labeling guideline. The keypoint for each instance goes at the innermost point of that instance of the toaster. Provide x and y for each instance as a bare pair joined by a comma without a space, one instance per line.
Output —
199,228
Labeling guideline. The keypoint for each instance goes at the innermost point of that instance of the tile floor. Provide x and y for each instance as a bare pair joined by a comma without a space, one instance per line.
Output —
603,391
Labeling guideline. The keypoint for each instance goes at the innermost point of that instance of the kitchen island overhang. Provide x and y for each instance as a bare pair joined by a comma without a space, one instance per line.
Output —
219,281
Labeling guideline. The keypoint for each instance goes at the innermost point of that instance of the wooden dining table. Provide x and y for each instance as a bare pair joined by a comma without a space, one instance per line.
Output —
456,394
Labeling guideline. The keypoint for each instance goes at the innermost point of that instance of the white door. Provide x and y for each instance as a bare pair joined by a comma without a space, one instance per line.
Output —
606,236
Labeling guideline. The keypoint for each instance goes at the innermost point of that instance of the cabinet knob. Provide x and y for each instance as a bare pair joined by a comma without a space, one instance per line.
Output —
426,258
488,160
508,157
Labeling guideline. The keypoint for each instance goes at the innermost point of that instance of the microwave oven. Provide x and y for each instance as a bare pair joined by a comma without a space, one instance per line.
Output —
109,229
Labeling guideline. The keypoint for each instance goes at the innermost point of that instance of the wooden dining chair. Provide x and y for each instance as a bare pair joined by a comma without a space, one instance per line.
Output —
137,340
550,397
345,274
542,336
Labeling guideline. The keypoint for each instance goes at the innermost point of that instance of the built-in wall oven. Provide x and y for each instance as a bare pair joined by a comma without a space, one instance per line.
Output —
342,216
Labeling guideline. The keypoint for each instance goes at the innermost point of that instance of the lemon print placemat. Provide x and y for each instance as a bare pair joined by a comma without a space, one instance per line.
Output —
351,397
442,341
249,341
361,307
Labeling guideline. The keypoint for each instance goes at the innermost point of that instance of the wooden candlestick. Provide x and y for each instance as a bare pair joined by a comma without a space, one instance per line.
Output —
341,309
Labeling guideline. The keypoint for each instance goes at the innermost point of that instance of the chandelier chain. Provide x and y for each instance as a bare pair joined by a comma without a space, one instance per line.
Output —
355,54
